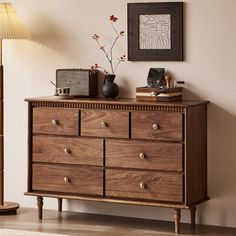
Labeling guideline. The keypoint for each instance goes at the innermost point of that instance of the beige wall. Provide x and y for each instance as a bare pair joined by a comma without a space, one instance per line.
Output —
62,29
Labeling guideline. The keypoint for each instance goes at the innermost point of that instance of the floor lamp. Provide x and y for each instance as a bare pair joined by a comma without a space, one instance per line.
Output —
10,28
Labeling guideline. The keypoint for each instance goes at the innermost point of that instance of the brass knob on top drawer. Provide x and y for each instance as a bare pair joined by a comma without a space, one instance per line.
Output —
142,185
66,180
155,126
55,122
142,155
67,151
103,124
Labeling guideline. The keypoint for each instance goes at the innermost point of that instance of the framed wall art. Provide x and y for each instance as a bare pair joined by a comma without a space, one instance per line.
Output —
155,31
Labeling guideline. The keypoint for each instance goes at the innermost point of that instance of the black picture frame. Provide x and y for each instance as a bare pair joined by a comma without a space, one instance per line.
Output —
175,52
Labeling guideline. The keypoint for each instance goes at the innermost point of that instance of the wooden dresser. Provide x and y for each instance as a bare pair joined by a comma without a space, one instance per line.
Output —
118,151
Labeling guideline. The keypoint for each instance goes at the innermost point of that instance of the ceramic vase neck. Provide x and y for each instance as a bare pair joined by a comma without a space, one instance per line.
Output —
109,78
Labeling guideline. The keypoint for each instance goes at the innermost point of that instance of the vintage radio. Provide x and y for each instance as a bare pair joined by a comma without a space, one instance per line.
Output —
82,82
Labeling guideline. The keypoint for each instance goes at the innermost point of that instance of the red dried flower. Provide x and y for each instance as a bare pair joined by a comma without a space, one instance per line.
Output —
95,36
113,18
109,53
122,33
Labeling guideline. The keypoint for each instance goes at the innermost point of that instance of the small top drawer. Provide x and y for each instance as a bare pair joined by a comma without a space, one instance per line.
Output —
55,121
102,123
157,126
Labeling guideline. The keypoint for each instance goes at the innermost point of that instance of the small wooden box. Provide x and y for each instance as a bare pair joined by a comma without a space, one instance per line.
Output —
155,94
82,82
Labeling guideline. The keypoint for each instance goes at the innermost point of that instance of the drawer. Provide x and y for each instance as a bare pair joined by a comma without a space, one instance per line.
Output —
68,150
157,125
144,155
55,121
158,186
104,123
64,179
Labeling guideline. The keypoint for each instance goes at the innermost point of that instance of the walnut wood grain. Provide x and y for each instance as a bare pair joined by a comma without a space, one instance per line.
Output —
154,155
170,126
67,121
116,123
172,172
30,138
112,200
55,149
159,186
81,180
196,154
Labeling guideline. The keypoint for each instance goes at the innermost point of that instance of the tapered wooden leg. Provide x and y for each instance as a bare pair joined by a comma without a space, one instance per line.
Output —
40,207
193,216
177,216
60,204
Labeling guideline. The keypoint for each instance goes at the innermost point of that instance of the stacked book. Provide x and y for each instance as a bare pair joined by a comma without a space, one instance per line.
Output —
159,94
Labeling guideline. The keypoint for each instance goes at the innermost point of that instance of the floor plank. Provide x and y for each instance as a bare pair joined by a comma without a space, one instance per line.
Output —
82,224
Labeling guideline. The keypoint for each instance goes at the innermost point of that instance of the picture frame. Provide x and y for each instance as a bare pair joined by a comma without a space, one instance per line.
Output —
155,31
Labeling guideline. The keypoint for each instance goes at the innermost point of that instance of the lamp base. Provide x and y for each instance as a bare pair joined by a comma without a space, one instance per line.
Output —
9,208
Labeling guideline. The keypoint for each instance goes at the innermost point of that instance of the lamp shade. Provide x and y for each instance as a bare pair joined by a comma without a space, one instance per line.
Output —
11,26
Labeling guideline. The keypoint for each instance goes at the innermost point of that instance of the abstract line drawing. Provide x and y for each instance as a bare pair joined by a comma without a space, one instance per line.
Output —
155,31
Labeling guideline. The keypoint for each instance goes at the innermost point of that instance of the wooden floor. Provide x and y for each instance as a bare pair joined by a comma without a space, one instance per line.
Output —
81,224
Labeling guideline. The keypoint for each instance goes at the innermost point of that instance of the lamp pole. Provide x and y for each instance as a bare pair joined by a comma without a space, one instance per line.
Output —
5,207
10,28
1,130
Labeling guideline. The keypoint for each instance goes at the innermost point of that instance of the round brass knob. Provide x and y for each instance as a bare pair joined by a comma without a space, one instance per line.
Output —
103,124
142,185
155,126
55,122
66,151
142,155
66,179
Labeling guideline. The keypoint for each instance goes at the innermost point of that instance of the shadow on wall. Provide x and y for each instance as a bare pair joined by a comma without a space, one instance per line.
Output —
221,160
49,34
221,163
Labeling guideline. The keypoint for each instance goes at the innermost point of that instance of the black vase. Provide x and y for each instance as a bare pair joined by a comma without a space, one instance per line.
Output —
110,89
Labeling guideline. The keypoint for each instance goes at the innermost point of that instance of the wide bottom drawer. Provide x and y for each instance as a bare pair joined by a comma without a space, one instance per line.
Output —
158,186
65,179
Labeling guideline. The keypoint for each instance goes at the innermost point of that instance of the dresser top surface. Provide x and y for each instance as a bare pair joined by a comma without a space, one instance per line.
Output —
126,101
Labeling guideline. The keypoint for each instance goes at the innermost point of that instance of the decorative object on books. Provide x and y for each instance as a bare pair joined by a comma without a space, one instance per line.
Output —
110,57
11,27
168,80
156,77
81,82
162,94
155,31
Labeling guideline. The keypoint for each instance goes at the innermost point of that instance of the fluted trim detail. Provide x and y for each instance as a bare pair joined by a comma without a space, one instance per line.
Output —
111,106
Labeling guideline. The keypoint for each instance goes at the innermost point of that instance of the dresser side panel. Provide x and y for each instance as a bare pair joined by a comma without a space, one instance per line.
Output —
196,154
